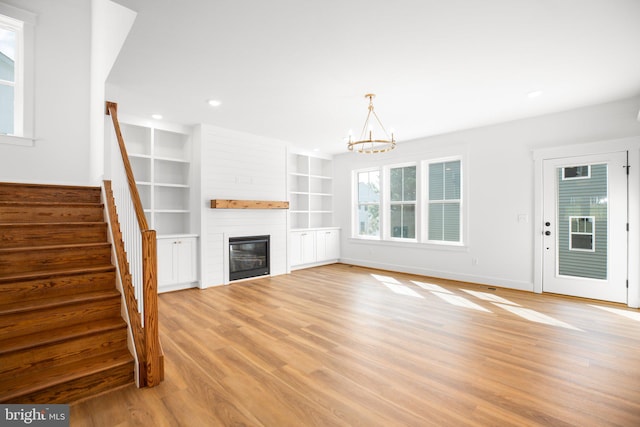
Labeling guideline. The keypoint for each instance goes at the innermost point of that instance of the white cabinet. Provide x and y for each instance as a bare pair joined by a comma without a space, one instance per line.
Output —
303,247
327,245
177,265
314,247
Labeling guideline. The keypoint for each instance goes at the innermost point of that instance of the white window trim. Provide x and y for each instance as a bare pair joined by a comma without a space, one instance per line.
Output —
355,226
587,176
24,22
424,195
584,233
386,203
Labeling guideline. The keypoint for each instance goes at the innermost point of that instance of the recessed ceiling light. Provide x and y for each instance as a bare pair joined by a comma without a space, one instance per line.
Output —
214,102
156,116
534,94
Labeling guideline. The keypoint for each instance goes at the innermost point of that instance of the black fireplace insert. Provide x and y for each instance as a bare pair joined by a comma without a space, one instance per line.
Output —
248,257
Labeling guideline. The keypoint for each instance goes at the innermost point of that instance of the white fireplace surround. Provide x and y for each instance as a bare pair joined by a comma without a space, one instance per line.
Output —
262,175
215,243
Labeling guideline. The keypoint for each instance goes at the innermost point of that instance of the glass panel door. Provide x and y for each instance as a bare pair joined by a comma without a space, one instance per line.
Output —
584,232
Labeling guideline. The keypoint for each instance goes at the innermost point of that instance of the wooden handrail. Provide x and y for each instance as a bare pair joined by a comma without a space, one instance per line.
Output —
145,329
112,110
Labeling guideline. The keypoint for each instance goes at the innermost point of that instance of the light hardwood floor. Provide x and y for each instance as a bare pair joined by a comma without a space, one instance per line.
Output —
345,346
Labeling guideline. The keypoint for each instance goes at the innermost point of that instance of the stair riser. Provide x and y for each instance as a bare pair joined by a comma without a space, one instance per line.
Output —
24,323
20,236
48,193
69,351
80,388
20,213
20,261
31,290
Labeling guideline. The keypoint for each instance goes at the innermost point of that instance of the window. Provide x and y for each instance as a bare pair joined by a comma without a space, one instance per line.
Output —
17,34
10,90
581,235
576,172
410,203
444,201
368,203
402,202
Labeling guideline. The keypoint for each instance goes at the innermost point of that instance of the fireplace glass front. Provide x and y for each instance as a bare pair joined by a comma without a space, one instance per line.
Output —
248,257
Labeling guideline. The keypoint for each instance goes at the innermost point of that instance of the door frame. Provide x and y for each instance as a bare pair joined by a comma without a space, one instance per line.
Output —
632,145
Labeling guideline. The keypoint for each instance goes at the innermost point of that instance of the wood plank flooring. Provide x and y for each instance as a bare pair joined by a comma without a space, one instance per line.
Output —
349,346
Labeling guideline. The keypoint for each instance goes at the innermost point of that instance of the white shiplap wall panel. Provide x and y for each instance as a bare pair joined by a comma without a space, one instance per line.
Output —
244,167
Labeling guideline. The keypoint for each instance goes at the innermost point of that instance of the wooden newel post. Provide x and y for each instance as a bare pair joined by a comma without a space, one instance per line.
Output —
151,340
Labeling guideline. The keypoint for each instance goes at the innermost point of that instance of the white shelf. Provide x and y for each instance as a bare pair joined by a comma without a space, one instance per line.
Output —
172,185
168,159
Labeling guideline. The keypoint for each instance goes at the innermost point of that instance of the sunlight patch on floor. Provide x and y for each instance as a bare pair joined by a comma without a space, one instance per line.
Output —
450,297
633,315
460,301
534,316
385,279
431,287
485,296
402,290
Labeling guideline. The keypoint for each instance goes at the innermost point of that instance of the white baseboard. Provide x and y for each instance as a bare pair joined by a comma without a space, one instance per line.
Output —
462,277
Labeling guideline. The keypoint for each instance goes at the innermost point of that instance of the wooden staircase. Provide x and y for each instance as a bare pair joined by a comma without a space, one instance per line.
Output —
62,336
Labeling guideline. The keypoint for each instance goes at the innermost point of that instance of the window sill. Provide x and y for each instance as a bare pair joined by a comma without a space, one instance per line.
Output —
414,245
17,140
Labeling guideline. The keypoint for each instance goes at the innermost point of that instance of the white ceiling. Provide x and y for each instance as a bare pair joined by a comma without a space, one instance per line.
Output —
297,70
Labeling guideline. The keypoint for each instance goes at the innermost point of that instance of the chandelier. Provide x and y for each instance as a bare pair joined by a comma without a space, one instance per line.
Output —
367,143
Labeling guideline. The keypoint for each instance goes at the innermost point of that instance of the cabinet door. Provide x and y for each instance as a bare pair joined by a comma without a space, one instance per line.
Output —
328,245
302,247
185,260
166,268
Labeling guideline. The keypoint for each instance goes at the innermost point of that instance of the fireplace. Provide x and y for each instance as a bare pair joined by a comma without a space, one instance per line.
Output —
248,257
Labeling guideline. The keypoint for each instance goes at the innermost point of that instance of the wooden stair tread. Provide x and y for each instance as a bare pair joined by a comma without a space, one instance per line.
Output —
33,382
31,305
45,204
48,192
56,247
45,274
47,337
52,224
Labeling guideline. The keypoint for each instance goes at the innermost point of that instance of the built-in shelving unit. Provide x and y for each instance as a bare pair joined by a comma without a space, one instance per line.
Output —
310,192
161,160
313,240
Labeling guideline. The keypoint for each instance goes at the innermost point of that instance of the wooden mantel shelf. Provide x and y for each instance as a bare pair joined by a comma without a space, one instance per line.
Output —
248,204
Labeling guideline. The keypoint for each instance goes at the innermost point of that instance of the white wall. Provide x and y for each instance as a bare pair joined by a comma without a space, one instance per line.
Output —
62,73
237,165
110,26
499,179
